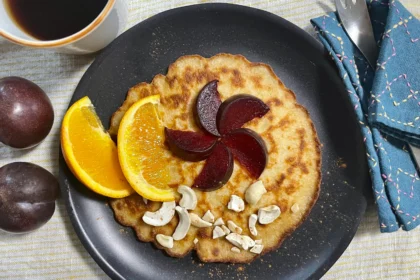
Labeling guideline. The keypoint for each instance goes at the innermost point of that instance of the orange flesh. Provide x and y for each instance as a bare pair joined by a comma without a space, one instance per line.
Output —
94,150
146,147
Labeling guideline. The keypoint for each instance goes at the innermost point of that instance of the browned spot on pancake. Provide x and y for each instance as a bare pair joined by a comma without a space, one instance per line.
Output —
303,167
270,117
188,77
302,144
184,116
144,93
200,76
256,80
207,76
171,82
131,205
284,122
202,233
277,183
274,101
224,70
300,132
203,76
290,189
215,251
243,176
237,79
294,162
185,90
175,101
270,139
118,205
283,205
290,160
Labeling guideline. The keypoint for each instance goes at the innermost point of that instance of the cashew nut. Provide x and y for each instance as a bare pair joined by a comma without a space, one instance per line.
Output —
295,208
268,214
225,229
237,240
251,223
234,228
162,216
189,198
195,240
218,232
198,222
249,241
183,225
236,203
208,217
257,249
165,241
235,249
219,222
254,192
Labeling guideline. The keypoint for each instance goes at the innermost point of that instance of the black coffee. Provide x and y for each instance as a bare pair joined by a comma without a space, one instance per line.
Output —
54,19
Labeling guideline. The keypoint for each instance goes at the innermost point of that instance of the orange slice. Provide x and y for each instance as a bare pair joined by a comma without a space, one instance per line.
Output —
141,150
90,153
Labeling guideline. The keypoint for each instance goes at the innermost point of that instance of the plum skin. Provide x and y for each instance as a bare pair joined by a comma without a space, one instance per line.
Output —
206,107
249,149
189,145
27,197
26,113
217,170
237,110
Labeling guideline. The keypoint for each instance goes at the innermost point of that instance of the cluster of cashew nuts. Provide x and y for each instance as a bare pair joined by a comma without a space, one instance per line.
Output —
253,194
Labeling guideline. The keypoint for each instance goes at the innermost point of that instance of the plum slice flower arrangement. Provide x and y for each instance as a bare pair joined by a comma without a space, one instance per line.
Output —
223,139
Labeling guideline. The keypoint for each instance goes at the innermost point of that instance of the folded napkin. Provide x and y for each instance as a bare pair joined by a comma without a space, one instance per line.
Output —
387,103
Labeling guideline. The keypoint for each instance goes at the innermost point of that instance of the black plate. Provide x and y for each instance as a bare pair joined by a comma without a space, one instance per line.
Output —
299,60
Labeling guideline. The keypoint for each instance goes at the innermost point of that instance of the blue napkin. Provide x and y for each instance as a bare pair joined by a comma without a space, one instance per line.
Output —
387,103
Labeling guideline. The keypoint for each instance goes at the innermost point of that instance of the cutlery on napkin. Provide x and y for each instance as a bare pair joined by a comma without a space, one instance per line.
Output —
387,105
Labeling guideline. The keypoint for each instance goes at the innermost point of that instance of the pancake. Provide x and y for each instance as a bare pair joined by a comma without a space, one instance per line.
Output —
292,175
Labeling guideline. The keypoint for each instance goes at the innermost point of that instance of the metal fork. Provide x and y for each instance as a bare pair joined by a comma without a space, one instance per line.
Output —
355,18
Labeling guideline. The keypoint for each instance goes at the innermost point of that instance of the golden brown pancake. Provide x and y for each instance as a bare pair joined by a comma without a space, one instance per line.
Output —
292,174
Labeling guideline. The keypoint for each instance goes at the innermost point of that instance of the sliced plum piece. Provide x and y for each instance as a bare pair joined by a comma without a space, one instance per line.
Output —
207,105
238,110
190,145
249,149
217,169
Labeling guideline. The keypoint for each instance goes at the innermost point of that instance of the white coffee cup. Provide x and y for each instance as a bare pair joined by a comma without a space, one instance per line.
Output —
94,37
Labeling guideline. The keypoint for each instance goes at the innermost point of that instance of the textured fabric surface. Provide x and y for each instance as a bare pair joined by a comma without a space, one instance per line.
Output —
54,251
386,105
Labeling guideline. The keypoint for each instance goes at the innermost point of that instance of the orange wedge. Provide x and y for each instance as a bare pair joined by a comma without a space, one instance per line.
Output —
90,153
141,150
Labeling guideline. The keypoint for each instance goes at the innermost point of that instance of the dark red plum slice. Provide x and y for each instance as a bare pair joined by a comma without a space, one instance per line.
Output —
217,169
190,145
238,110
207,106
249,149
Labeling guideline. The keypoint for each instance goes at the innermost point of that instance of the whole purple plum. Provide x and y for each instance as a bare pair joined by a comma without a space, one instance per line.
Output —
27,197
26,113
